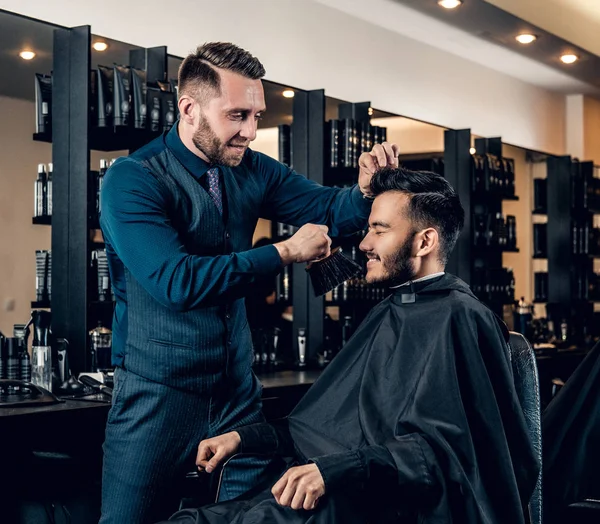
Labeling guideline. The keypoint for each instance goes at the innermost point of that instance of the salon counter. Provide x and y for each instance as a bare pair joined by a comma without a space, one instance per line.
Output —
54,450
285,387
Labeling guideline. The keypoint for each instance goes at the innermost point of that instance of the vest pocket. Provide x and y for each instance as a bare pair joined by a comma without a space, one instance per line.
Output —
169,344
182,365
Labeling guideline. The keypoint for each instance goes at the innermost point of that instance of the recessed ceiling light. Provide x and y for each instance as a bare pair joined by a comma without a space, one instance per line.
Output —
100,46
449,4
27,55
370,111
288,93
472,151
526,38
569,58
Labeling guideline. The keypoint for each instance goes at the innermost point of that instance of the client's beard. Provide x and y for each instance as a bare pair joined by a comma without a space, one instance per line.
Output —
400,267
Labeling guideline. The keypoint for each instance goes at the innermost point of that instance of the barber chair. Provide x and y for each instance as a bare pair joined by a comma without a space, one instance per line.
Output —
527,386
526,381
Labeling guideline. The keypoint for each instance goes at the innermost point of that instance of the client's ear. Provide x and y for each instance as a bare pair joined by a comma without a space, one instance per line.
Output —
426,241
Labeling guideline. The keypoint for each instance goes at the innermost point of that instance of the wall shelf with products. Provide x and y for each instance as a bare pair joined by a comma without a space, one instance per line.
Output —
42,221
570,241
483,180
75,126
111,139
41,304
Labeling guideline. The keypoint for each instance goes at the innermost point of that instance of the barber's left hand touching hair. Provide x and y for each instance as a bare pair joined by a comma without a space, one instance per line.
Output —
300,487
382,155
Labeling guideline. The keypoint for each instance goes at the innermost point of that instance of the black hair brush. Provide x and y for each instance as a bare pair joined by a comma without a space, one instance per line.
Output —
329,272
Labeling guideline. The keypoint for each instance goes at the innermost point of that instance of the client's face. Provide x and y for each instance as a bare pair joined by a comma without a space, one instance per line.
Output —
389,242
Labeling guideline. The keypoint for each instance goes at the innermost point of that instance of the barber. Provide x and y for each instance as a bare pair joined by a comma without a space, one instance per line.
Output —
178,217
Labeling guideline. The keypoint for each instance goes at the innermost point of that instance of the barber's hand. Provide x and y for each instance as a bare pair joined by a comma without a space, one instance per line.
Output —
310,242
382,155
213,451
300,487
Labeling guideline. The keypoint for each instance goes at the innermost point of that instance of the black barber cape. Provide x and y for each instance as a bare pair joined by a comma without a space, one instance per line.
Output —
571,441
416,420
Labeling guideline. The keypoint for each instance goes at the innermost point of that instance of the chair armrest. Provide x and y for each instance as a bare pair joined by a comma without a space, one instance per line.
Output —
585,512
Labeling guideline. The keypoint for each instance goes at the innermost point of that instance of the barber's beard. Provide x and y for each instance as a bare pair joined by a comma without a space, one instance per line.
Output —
207,142
400,268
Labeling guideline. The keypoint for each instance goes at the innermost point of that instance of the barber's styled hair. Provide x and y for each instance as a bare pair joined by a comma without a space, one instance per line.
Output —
433,202
197,73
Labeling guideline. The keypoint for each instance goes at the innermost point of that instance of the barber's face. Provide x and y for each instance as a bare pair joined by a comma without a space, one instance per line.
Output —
389,244
227,123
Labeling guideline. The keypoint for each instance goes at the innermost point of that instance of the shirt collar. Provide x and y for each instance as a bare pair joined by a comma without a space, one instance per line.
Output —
193,163
426,277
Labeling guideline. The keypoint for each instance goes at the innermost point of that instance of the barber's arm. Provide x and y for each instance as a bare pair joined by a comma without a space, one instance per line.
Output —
292,199
135,220
259,439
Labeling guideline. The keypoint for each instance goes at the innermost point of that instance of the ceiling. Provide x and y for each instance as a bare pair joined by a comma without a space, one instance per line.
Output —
577,21
482,32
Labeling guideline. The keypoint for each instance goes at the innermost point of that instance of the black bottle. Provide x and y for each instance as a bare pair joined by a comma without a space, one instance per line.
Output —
40,193
2,356
540,195
539,240
346,330
511,232
541,286
13,367
285,144
101,173
25,365
49,191
21,331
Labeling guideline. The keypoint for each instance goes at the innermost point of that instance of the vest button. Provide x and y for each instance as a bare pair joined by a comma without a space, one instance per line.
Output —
227,316
227,235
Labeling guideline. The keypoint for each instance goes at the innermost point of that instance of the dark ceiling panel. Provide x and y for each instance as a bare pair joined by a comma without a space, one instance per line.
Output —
17,75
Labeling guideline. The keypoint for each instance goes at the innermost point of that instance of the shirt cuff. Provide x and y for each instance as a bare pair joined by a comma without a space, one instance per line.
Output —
361,202
257,438
341,469
265,260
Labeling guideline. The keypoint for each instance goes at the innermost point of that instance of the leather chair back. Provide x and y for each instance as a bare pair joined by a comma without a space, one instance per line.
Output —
528,390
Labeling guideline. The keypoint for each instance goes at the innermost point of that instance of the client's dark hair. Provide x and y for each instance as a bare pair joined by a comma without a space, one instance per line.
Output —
433,202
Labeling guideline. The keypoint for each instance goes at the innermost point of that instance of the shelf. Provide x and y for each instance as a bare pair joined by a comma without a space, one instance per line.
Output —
44,304
480,197
540,301
343,175
111,139
540,257
102,303
494,249
542,212
585,255
355,302
497,302
42,137
42,221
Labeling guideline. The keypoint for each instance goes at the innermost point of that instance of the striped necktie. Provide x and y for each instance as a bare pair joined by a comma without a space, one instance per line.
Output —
214,188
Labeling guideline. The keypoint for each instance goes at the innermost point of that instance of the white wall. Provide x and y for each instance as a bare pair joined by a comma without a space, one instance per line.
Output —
19,238
412,136
306,44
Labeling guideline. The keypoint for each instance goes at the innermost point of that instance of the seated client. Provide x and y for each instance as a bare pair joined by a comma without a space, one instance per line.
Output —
417,419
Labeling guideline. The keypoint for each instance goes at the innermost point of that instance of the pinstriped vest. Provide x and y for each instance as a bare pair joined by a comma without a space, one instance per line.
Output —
194,350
